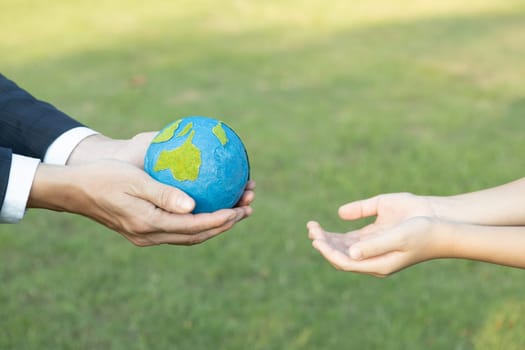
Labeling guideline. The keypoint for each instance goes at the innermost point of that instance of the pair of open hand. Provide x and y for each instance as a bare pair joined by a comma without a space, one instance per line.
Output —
104,180
400,236
486,225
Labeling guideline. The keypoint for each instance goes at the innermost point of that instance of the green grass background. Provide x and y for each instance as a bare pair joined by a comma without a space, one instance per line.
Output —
336,101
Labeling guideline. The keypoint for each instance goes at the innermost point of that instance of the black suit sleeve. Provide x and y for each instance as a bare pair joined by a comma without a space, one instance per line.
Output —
5,166
27,127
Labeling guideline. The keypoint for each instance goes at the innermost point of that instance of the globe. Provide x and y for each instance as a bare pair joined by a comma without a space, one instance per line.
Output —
204,158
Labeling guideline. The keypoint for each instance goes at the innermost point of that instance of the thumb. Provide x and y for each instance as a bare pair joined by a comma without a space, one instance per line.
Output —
167,197
359,209
382,244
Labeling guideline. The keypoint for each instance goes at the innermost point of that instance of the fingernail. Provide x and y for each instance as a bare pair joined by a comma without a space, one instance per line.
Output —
355,253
185,203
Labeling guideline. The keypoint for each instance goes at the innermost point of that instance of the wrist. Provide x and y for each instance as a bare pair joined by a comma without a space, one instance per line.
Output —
52,188
94,148
442,233
440,207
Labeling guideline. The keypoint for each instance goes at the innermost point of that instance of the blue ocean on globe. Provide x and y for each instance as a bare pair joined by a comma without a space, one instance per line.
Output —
204,158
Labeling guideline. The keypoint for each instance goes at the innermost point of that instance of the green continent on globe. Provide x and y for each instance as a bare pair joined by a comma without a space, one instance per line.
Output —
221,135
184,162
186,130
167,133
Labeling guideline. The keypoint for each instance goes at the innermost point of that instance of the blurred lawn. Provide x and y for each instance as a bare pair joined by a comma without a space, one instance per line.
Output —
336,101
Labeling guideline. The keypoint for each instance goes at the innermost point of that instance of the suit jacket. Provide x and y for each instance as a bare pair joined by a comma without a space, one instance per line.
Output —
27,127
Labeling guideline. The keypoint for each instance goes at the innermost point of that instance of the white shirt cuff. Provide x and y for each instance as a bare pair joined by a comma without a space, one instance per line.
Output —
21,175
60,150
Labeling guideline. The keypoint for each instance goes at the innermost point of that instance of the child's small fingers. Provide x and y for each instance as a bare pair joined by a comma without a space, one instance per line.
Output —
336,258
379,245
315,231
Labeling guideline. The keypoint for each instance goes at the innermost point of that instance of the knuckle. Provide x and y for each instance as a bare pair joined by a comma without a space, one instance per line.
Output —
195,239
136,228
148,222
226,227
164,198
139,241
384,272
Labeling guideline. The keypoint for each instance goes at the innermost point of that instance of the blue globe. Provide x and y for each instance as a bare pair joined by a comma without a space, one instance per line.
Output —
202,157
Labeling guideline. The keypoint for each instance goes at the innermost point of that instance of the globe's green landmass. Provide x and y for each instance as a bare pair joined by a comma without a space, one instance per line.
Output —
184,162
186,130
221,135
167,133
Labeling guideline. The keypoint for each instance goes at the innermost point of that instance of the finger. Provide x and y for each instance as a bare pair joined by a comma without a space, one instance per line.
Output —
207,221
166,197
248,195
195,224
186,235
201,236
250,186
241,213
315,231
246,210
335,257
180,239
337,241
389,241
359,209
246,198
380,266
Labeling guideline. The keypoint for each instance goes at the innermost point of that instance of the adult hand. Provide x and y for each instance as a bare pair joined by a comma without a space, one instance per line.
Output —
131,151
127,200
98,146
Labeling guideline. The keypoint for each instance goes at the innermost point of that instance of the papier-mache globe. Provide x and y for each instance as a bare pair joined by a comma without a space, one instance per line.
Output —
204,158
